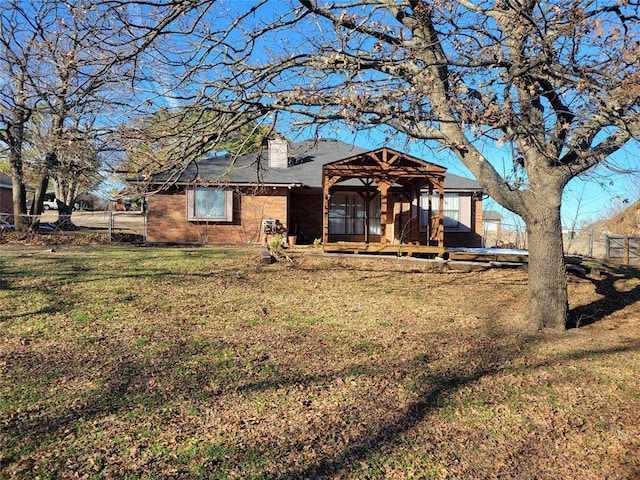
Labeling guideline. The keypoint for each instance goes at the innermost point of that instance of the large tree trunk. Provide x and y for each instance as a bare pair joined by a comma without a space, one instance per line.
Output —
20,219
15,138
548,301
39,195
50,161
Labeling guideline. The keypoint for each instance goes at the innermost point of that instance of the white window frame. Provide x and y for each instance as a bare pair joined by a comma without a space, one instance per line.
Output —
457,208
193,215
451,210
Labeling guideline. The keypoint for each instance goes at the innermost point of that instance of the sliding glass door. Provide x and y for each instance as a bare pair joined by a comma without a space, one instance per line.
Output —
348,214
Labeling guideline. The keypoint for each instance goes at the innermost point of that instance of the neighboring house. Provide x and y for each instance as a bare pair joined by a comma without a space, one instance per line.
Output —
317,189
491,221
493,235
6,195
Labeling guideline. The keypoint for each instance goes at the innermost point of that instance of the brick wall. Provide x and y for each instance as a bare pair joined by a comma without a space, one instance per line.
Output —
306,214
477,214
468,239
167,219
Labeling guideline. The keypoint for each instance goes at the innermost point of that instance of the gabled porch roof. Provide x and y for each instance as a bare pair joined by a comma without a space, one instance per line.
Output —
379,171
385,166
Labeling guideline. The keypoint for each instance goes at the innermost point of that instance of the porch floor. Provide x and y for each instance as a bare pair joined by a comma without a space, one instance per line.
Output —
384,248
451,253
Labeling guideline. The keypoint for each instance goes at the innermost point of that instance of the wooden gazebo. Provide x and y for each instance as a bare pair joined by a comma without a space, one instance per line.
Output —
400,180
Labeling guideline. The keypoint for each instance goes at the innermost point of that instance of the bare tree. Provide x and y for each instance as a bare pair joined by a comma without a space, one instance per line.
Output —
556,85
78,158
77,84
69,69
16,103
182,113
171,138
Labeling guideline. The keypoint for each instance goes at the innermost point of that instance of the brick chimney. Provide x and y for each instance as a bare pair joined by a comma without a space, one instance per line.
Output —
278,153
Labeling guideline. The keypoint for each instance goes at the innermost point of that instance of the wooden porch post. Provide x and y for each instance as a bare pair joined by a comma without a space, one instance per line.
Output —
414,216
428,231
325,210
441,219
327,183
367,214
385,217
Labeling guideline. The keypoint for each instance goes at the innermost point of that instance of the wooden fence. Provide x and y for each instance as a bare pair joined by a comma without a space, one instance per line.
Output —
622,249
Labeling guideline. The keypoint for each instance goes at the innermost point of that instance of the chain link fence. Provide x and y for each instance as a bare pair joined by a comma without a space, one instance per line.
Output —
131,227
586,242
108,226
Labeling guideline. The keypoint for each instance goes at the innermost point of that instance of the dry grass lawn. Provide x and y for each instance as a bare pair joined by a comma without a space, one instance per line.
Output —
202,363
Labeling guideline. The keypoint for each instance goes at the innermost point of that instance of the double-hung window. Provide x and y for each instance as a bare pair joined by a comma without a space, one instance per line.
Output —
209,204
451,209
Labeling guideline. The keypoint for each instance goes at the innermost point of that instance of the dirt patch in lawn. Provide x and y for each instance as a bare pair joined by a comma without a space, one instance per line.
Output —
202,363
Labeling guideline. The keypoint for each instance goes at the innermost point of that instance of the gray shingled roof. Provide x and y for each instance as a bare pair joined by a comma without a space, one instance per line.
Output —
491,215
306,160
455,182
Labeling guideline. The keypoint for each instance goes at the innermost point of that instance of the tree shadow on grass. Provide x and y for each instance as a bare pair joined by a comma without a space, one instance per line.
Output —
613,298
129,386
442,386
382,434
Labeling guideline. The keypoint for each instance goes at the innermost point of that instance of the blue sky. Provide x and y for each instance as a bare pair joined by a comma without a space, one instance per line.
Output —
586,199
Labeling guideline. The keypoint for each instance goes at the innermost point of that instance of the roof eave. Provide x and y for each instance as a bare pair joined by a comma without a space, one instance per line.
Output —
231,184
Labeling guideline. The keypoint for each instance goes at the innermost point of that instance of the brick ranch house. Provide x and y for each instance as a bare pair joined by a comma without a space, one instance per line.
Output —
6,197
6,194
316,189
